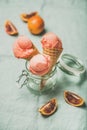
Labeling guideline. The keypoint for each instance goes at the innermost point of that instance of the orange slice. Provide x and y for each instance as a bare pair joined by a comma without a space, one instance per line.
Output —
10,28
25,17
73,99
49,108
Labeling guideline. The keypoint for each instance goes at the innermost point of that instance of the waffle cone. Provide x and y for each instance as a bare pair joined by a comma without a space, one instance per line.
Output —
35,52
54,54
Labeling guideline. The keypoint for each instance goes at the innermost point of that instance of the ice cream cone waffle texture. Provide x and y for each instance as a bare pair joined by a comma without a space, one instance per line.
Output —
54,54
35,52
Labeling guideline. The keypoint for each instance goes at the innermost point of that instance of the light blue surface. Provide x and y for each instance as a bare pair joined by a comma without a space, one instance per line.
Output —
19,107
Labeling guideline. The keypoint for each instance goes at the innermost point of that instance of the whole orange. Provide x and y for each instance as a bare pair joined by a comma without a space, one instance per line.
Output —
36,24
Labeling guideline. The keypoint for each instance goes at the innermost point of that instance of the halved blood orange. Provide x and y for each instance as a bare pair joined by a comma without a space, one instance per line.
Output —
49,108
10,28
73,99
25,17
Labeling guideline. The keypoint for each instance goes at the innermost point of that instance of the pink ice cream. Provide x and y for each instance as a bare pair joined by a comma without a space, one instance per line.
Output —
51,40
23,47
40,64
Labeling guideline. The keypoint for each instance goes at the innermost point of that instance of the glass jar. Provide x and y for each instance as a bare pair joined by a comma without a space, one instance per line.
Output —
38,84
35,83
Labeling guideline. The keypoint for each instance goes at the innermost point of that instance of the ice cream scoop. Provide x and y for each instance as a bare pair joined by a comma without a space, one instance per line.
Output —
40,64
24,48
51,41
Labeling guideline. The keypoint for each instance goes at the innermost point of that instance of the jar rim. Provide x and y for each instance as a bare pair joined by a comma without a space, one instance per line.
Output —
71,65
46,76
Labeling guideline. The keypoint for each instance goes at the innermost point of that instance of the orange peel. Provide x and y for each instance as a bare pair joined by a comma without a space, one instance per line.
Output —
73,99
25,17
49,108
10,28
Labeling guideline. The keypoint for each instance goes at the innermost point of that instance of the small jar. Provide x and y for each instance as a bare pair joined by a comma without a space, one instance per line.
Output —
35,83
69,64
